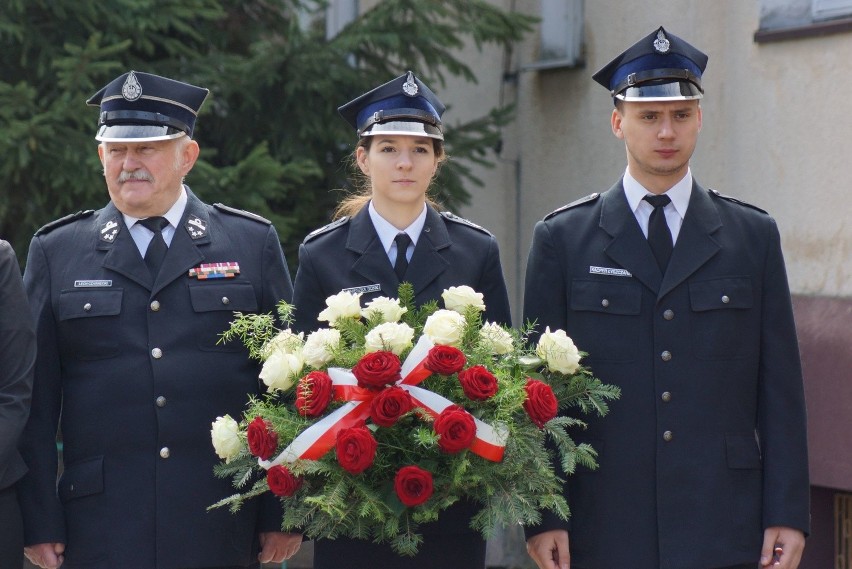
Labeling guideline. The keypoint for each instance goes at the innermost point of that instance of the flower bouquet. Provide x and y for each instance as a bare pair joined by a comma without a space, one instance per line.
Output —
378,422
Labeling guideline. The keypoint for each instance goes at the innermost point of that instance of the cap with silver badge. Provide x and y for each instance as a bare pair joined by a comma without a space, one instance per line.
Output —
404,105
141,107
659,67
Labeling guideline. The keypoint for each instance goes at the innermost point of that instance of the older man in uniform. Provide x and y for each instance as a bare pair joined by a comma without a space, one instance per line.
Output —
679,295
129,302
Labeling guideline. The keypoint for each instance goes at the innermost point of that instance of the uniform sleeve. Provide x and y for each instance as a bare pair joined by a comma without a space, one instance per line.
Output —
42,511
545,303
308,296
277,285
781,405
17,358
545,289
493,288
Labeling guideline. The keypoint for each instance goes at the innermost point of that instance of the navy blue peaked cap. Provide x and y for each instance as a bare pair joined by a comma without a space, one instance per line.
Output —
659,67
404,105
143,107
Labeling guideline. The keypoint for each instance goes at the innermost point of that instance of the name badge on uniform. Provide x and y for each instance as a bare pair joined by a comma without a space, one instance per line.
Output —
227,270
363,289
92,283
609,271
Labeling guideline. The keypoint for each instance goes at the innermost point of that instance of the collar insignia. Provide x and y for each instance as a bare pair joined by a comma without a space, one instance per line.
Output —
110,230
196,227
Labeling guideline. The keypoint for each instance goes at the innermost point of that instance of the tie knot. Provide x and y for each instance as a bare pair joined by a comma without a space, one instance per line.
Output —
155,224
402,241
658,201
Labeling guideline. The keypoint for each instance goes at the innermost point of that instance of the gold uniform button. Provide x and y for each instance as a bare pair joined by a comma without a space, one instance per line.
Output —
161,401
226,300
668,314
157,353
155,305
725,299
666,356
605,303
666,396
164,452
87,307
668,436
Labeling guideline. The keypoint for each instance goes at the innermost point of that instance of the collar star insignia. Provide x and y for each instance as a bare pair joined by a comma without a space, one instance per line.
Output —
196,227
110,230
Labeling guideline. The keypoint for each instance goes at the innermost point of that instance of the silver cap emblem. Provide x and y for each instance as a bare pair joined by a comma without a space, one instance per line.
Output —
662,44
132,89
410,88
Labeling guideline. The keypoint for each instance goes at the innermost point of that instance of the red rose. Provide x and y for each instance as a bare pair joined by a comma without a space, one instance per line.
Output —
262,441
478,383
540,404
313,394
445,360
377,369
281,481
389,405
356,449
413,485
456,429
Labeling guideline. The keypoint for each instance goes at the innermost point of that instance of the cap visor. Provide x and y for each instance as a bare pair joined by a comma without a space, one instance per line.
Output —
675,91
409,128
137,133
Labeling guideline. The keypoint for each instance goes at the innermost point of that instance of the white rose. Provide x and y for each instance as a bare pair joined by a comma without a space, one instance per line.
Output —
389,336
495,338
341,305
389,308
558,351
459,298
320,347
445,327
285,341
281,369
225,433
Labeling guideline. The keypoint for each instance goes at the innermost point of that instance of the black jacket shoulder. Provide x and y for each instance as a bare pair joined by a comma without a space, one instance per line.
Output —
716,194
241,213
456,219
82,214
582,201
336,224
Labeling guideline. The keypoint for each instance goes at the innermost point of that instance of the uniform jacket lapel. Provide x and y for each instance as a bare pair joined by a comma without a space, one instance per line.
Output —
427,262
695,243
372,262
183,252
121,256
628,247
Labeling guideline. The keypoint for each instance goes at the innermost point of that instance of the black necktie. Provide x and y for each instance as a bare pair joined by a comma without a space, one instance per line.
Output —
157,247
402,240
659,236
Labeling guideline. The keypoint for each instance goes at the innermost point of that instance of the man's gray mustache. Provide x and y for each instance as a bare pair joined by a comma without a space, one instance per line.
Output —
135,175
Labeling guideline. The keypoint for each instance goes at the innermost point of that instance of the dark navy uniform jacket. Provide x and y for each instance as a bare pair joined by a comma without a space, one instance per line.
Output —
137,373
450,252
17,358
707,445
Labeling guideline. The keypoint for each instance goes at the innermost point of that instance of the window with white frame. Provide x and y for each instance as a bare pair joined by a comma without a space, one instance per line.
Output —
561,34
828,9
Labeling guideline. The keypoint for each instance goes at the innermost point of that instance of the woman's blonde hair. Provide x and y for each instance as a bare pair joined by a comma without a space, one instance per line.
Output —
355,202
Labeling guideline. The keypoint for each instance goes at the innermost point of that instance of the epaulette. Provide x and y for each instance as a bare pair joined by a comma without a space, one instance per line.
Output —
326,228
241,213
64,221
453,217
581,201
735,200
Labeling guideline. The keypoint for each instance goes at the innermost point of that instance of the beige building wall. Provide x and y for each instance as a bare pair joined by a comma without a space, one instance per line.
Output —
775,133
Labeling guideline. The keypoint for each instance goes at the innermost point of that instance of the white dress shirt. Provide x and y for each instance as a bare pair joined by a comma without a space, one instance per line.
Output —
675,211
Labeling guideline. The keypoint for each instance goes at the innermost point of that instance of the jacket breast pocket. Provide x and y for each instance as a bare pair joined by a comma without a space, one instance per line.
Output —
214,305
89,323
726,325
604,318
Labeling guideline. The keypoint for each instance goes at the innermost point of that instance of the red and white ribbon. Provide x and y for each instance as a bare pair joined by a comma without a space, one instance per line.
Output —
319,438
